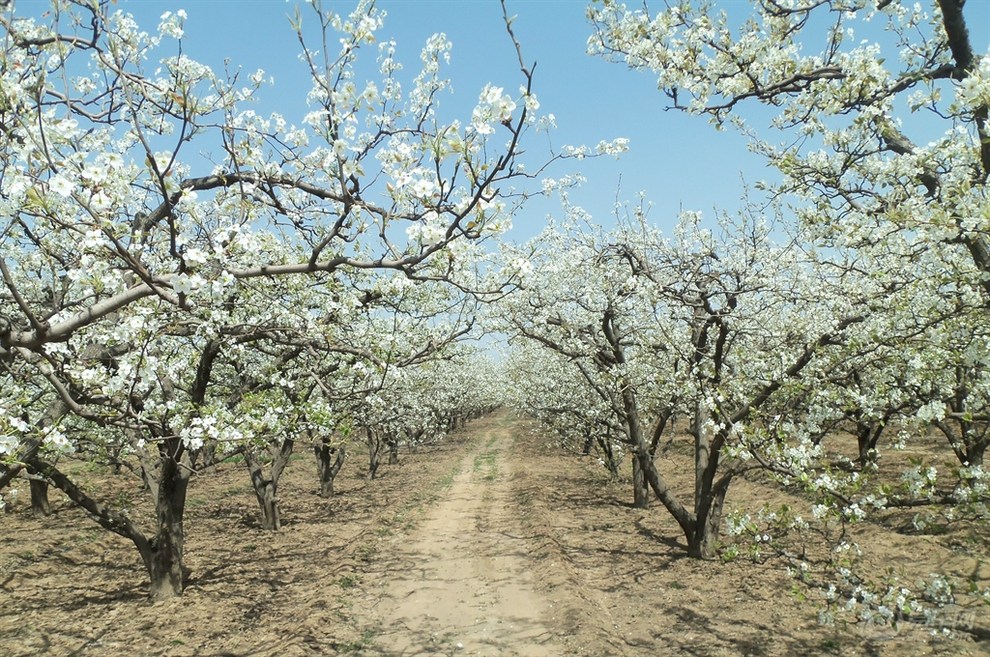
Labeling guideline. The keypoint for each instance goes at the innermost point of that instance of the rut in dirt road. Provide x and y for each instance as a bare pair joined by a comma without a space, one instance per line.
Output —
463,583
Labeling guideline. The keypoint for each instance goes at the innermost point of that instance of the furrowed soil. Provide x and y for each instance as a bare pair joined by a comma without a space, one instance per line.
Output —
491,542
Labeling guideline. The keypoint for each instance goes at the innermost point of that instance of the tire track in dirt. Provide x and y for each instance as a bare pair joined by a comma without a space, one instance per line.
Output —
461,581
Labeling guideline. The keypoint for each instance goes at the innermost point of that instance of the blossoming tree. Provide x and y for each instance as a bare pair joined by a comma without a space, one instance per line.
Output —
723,329
153,222
855,90
878,134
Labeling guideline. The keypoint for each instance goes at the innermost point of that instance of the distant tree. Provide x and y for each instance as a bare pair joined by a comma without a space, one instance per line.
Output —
547,387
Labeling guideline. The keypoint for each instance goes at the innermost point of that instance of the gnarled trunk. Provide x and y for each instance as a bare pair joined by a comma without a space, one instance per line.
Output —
163,553
329,461
266,488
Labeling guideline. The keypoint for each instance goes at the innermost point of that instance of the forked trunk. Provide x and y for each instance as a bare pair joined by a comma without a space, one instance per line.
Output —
703,542
969,440
270,518
329,460
709,493
266,488
162,554
264,492
867,437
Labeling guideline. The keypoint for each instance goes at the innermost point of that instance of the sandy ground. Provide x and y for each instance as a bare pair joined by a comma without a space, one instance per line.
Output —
490,543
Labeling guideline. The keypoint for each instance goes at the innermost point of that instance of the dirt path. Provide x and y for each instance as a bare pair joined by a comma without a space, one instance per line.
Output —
462,583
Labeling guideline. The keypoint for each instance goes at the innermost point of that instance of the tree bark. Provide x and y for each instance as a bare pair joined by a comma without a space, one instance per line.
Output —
150,467
266,488
608,455
703,542
28,448
329,461
641,488
636,437
709,494
867,437
393,450
162,555
374,452
40,506
264,492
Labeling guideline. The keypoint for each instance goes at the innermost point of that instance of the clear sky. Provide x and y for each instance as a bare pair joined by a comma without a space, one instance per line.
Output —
678,160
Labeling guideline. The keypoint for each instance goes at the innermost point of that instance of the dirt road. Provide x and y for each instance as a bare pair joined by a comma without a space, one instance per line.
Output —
461,581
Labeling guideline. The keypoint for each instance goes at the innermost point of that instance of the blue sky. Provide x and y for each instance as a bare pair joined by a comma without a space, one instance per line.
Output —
679,161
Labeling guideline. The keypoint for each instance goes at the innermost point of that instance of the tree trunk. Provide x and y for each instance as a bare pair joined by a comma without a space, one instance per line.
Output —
264,492
393,450
608,455
703,542
976,457
265,489
641,488
164,553
968,443
208,454
150,468
702,452
709,495
39,497
374,452
329,460
634,435
868,437
975,451
589,441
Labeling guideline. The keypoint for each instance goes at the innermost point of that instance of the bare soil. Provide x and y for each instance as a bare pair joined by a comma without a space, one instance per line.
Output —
489,543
